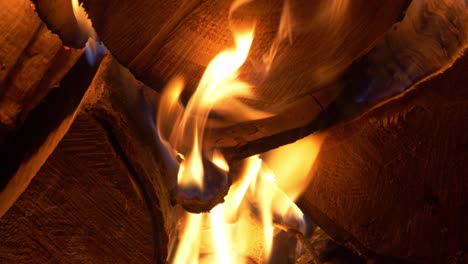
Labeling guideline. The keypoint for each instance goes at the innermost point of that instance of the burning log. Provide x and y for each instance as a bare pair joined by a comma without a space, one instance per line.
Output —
298,49
390,194
311,103
127,109
430,38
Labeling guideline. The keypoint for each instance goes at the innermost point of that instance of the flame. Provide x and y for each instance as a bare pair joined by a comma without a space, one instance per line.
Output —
267,186
285,30
234,234
219,83
93,48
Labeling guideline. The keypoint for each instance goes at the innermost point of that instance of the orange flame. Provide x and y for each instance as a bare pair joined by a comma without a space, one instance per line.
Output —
269,182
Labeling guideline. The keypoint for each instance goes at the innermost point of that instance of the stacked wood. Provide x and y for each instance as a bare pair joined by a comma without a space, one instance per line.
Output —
371,200
393,182
33,114
83,206
33,62
387,184
158,40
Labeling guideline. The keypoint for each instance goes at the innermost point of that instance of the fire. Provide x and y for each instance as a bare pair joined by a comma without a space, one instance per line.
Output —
243,227
218,84
93,48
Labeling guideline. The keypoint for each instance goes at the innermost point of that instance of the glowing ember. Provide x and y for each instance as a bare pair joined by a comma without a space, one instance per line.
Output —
242,227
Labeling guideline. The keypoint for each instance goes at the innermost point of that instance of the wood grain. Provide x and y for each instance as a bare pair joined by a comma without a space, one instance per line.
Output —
32,63
27,150
157,40
393,182
432,35
82,207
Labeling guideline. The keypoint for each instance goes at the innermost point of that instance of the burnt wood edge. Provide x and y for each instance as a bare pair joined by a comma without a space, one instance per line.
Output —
43,128
106,121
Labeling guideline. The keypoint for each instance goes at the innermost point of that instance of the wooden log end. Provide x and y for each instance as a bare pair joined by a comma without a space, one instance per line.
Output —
216,185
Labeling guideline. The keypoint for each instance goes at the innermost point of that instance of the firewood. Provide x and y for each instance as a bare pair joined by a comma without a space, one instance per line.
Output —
393,181
26,151
157,47
60,19
33,114
430,38
33,62
158,39
83,206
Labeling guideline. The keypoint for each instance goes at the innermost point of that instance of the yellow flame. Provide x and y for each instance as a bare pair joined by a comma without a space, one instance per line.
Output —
294,160
187,252
219,160
270,182
284,32
231,228
92,49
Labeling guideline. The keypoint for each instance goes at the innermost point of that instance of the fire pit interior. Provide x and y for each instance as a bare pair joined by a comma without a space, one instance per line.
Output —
233,131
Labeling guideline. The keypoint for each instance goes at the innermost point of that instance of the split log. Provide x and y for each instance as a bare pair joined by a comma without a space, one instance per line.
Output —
83,206
412,49
184,36
157,40
125,108
23,155
33,61
393,182
432,35
34,115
